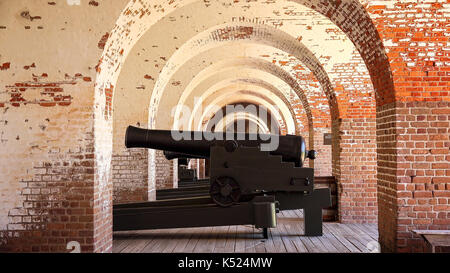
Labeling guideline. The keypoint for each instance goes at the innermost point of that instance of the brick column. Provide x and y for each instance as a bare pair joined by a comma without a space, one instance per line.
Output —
62,203
354,166
201,169
164,172
174,168
193,164
386,176
130,176
415,195
57,206
322,164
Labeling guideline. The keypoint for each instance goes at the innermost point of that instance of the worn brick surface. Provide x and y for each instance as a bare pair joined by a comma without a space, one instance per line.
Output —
375,74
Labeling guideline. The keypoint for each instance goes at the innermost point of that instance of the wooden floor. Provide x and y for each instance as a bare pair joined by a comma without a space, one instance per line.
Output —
287,237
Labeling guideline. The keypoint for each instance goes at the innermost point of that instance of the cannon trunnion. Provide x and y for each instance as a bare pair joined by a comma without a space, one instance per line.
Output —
247,185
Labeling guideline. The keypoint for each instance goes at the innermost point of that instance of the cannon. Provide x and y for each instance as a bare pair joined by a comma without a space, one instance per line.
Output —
184,173
291,148
250,181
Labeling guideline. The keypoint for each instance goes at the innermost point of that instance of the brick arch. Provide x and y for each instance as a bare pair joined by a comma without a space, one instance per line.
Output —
222,79
269,86
261,34
248,33
251,94
145,15
255,63
318,118
243,117
261,123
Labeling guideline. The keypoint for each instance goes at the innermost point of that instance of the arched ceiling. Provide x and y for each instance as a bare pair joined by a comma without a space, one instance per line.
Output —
241,119
249,57
243,111
271,86
238,32
165,50
251,124
251,94
303,13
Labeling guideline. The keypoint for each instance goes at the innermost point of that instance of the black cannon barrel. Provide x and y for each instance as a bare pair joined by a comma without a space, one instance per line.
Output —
291,148
175,155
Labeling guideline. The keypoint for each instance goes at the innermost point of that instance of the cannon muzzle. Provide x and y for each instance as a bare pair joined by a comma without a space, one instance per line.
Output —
197,144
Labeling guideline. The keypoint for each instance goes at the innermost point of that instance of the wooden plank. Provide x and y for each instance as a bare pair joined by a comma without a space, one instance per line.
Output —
183,241
285,237
438,239
178,235
160,238
119,245
358,240
298,243
316,241
356,243
309,245
260,247
299,213
301,248
137,240
365,231
327,244
231,240
361,236
250,242
205,235
288,225
221,239
269,245
210,243
276,240
432,232
372,227
241,238
295,230
340,247
301,242
124,237
368,228
136,245
342,239
194,240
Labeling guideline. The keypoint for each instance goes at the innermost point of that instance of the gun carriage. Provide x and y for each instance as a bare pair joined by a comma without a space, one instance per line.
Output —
184,173
247,184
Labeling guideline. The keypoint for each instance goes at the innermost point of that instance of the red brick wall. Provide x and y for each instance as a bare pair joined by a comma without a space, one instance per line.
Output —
322,164
68,195
413,132
130,176
57,206
201,169
355,168
386,176
166,172
193,164
423,170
